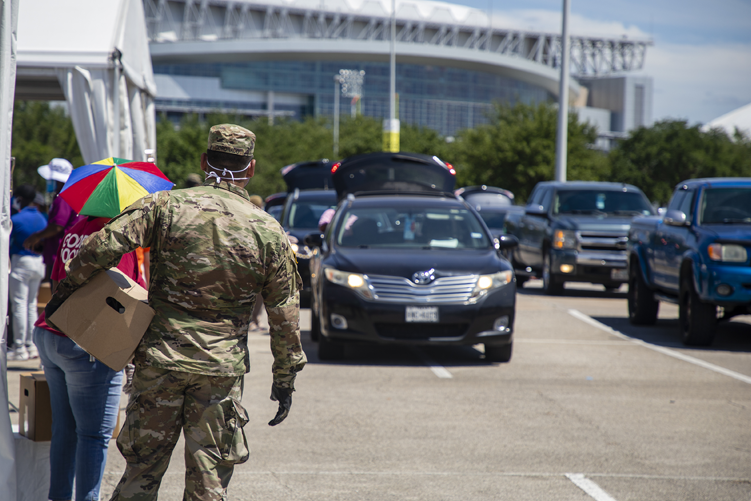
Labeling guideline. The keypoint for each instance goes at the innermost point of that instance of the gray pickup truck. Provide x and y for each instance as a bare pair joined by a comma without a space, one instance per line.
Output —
575,232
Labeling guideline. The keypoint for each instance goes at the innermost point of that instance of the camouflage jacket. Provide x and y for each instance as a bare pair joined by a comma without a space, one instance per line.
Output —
212,253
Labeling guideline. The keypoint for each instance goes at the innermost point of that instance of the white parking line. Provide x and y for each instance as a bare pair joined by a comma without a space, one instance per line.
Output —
437,369
591,488
665,351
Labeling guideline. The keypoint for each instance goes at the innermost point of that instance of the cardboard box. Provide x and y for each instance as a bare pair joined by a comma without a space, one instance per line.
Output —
107,317
34,409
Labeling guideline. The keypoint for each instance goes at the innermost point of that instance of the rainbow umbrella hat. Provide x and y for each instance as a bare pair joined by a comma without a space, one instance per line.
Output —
105,188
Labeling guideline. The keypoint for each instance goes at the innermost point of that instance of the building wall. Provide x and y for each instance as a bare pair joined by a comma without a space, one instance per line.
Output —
440,97
629,98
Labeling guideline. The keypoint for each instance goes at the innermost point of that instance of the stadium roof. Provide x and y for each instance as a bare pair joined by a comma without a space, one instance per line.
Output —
420,26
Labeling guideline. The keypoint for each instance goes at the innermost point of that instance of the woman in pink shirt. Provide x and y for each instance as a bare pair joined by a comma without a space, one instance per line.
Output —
84,393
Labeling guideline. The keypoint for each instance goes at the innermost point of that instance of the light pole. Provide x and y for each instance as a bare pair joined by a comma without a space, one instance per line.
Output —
337,83
391,125
349,83
561,143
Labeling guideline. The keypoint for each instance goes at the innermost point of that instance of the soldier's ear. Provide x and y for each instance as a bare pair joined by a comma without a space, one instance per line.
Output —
252,168
205,162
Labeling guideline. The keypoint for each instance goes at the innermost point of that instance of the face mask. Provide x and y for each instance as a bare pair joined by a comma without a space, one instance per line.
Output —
227,173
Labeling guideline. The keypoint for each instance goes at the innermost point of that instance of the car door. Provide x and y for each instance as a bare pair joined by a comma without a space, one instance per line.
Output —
660,254
534,228
677,241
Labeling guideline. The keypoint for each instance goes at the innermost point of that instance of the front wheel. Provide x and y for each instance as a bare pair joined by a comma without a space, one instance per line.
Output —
642,305
498,353
551,284
697,319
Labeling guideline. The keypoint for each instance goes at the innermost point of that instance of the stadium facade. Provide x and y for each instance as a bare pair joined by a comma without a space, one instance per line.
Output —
278,58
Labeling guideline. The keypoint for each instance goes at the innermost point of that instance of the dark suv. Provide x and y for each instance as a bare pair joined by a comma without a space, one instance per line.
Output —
404,260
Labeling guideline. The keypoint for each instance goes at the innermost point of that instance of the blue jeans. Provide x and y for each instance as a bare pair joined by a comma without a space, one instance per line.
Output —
26,274
85,398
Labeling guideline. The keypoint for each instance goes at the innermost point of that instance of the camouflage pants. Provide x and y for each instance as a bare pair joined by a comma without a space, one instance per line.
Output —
206,408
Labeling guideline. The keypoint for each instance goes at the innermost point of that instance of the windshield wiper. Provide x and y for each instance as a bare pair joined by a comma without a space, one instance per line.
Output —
596,212
628,211
745,220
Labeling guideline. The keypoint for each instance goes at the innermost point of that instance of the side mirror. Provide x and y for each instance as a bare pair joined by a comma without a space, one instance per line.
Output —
675,218
313,239
507,241
536,210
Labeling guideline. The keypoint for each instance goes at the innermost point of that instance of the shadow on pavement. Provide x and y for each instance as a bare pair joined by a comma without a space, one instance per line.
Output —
733,335
572,292
399,355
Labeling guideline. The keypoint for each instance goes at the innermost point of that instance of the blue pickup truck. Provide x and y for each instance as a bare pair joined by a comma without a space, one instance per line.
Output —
696,255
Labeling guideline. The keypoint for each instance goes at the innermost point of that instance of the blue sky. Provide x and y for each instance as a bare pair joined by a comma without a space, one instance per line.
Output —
701,58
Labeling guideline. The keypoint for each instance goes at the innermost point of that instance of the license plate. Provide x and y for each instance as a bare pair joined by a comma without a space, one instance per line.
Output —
619,274
423,314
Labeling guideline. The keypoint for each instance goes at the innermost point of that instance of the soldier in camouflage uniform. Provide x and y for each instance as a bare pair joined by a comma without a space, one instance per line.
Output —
213,253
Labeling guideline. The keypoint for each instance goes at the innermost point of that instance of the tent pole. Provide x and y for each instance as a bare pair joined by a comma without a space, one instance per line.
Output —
116,56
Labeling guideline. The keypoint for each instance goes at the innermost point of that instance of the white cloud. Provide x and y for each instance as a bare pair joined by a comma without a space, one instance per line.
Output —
693,82
550,22
699,83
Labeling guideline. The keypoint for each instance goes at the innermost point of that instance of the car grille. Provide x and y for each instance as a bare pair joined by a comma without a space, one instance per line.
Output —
442,290
601,241
420,331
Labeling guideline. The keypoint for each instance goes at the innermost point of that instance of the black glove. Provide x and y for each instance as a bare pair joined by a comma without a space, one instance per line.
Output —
284,397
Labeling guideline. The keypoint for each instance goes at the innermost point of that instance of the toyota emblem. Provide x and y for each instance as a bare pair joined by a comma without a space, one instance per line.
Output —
424,277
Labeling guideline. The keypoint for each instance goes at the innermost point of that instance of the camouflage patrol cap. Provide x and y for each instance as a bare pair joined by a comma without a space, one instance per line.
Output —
230,138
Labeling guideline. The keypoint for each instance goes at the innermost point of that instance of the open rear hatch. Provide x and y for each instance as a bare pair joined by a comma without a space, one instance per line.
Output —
308,175
392,172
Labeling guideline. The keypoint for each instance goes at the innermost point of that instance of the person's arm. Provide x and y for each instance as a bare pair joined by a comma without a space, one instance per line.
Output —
281,296
102,250
51,231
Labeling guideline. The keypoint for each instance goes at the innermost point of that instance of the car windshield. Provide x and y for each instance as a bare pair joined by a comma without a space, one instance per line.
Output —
411,228
601,202
493,219
488,200
305,214
726,206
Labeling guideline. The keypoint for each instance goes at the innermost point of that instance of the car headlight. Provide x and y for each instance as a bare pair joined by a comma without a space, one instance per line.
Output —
354,281
730,253
487,283
302,252
564,239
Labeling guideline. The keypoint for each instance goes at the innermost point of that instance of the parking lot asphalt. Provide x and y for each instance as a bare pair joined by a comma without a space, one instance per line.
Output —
589,407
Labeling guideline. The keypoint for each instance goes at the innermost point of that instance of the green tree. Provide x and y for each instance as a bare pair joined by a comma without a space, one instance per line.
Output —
283,143
657,158
516,150
41,132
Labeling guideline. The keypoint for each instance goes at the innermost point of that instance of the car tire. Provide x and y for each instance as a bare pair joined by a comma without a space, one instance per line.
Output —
696,318
551,284
498,353
329,350
315,325
642,305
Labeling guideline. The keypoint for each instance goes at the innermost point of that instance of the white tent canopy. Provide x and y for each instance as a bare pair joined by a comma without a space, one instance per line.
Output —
94,54
738,119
